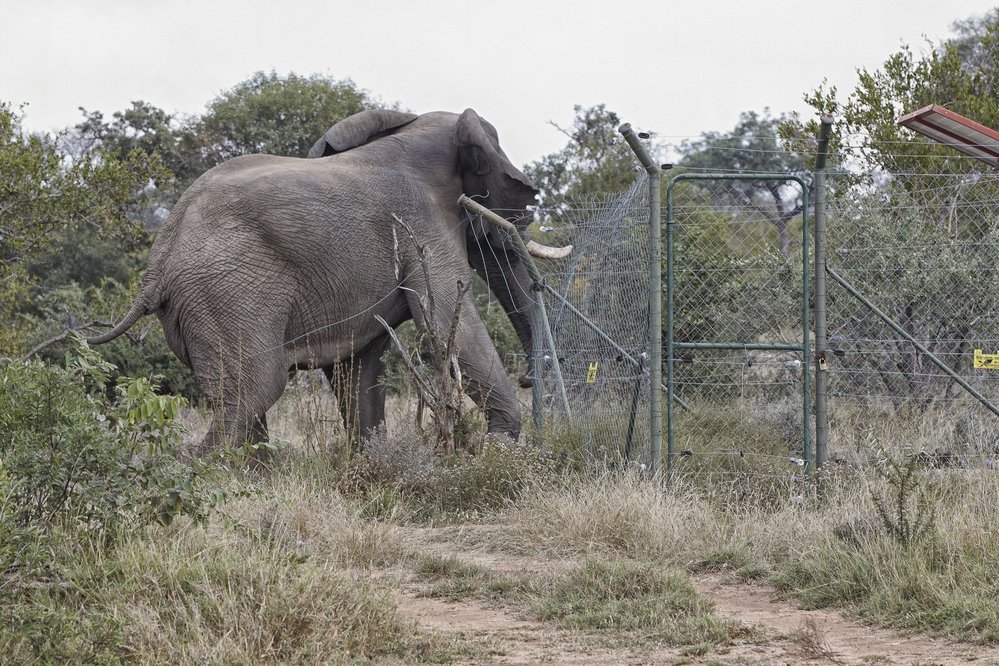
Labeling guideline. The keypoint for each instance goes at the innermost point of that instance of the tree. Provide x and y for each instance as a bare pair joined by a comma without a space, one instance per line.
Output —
596,160
753,146
913,222
961,73
44,192
146,129
277,115
267,113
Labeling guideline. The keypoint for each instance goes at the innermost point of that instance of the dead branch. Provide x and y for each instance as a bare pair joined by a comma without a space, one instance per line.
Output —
444,395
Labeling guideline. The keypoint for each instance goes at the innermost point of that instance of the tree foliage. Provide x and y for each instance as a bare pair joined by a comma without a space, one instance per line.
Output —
276,115
267,113
595,160
46,192
753,146
962,74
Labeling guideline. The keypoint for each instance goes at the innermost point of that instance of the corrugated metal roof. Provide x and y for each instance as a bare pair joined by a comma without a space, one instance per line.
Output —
954,130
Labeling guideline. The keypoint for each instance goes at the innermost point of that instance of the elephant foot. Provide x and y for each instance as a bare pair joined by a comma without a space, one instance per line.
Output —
499,438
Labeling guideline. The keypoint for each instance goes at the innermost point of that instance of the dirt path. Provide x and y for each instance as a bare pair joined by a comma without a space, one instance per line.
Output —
802,636
783,634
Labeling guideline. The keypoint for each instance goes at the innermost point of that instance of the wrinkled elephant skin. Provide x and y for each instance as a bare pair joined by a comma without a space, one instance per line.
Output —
269,263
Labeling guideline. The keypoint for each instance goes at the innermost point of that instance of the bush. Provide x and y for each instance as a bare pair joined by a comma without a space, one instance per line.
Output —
73,458
402,471
493,478
79,471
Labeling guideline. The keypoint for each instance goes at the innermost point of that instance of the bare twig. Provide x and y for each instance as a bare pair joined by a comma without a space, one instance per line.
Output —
443,396
426,394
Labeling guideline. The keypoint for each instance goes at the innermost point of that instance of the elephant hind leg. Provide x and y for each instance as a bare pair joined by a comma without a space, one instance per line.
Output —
359,391
240,396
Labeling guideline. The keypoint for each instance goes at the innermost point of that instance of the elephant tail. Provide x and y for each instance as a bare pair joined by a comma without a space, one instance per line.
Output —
142,306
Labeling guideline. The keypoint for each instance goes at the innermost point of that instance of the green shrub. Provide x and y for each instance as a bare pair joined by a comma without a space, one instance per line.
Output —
906,510
79,472
76,459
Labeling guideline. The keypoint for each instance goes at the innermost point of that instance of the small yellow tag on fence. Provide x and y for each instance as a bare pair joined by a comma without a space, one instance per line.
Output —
591,373
987,361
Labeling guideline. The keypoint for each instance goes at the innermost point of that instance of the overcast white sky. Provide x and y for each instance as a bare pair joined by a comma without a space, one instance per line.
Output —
676,67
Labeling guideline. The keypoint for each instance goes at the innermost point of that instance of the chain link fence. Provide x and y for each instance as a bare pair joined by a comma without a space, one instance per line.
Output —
923,246
598,308
738,335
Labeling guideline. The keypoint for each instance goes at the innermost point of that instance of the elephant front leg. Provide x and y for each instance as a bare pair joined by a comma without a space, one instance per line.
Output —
356,381
487,383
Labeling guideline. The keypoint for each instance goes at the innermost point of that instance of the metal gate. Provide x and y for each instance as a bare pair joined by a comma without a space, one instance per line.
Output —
736,332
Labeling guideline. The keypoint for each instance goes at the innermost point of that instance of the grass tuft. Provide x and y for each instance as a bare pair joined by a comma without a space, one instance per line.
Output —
622,596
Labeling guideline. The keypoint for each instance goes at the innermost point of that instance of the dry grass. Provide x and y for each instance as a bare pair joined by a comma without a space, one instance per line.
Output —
303,567
811,643
623,514
196,597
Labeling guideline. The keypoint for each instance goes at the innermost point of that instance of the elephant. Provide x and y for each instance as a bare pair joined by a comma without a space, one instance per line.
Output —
268,264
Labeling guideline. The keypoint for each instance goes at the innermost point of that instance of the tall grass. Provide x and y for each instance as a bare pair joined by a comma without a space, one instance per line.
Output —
302,566
834,551
195,597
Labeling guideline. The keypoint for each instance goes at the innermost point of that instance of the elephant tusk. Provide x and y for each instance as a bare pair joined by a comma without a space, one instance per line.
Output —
546,251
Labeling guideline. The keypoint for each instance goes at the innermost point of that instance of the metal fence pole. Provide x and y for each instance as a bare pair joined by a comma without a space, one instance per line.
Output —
821,365
655,300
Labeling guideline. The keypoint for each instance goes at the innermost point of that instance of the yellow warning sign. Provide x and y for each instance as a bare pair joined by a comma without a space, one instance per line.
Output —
987,361
591,373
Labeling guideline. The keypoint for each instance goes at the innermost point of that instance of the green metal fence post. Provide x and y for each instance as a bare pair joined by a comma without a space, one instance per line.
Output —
655,300
821,365
670,334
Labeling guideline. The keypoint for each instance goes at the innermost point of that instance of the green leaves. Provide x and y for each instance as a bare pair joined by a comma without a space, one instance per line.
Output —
962,74
149,417
596,160
276,115
46,191
71,457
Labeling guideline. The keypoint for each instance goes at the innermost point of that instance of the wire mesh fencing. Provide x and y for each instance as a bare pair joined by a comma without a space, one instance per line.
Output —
598,307
738,331
922,245
919,244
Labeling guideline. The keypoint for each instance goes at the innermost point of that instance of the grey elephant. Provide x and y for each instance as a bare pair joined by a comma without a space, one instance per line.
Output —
272,263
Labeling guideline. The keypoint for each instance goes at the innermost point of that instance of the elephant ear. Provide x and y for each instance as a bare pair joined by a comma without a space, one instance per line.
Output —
480,156
359,129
